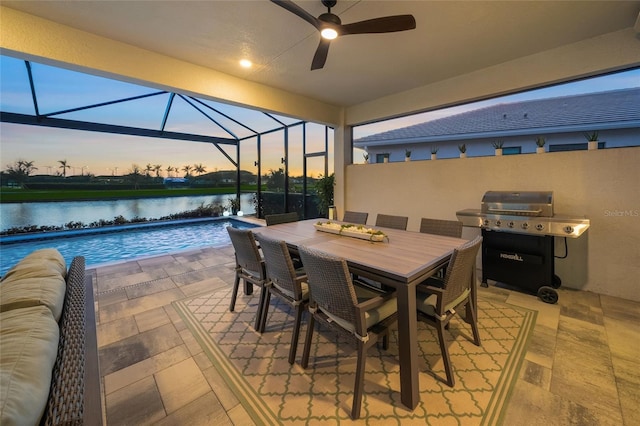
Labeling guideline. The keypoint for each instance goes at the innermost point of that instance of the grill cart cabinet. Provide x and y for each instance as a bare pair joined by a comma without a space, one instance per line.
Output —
520,260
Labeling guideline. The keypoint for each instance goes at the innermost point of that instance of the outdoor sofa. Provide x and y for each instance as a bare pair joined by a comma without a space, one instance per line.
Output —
48,358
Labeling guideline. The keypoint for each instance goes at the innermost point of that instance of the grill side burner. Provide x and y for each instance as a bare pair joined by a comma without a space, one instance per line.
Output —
518,244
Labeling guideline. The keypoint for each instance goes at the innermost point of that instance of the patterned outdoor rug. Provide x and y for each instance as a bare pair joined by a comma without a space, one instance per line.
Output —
275,392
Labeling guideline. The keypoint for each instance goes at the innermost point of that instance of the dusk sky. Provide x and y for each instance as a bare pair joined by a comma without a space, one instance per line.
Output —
103,154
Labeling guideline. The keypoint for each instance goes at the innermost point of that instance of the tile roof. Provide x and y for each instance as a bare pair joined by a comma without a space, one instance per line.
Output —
567,113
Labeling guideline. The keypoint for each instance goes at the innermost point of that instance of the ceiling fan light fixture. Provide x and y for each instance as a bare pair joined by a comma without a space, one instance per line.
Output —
329,33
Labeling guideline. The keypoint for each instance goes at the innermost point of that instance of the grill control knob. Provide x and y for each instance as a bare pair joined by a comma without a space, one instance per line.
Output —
525,225
511,224
498,222
486,222
568,229
540,227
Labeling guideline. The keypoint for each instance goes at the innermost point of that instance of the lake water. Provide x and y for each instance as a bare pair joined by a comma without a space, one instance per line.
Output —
16,215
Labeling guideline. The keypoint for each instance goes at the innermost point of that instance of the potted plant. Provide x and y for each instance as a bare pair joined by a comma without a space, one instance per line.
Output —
434,152
498,147
592,140
463,150
385,157
365,155
407,155
540,141
234,205
324,190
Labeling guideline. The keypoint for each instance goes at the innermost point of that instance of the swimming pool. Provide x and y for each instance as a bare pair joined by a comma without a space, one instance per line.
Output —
101,245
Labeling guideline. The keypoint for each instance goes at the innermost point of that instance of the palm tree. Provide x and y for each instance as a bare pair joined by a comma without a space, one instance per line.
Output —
169,170
187,169
134,175
157,168
199,168
64,166
148,169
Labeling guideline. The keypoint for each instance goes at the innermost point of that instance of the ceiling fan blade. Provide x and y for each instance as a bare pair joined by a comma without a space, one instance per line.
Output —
321,55
387,24
297,10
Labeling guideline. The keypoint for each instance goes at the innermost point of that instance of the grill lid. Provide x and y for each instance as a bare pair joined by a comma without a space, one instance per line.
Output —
520,203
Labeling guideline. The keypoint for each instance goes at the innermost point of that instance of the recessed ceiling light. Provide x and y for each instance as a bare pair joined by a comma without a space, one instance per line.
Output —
245,63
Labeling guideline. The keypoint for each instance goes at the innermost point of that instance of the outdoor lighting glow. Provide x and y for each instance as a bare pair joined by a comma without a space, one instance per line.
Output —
240,213
245,63
226,213
329,33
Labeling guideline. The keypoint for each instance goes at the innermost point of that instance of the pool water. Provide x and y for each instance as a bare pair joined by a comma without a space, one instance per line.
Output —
126,243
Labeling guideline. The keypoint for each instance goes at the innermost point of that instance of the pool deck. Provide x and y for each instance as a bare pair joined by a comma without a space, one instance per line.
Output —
153,371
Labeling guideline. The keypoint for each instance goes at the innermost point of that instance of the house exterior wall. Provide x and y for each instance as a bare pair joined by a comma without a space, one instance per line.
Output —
615,138
601,185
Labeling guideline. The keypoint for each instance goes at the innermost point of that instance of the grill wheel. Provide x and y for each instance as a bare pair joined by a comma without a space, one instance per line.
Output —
548,294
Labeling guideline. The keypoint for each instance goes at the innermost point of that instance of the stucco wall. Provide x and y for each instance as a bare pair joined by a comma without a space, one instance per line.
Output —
602,185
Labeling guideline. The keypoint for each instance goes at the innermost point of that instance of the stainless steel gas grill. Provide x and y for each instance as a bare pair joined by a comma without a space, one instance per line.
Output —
518,229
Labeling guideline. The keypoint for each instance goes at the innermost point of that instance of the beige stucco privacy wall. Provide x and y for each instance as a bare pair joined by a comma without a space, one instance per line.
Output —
29,37
601,185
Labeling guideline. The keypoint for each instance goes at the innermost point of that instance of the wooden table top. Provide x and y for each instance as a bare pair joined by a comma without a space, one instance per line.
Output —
406,257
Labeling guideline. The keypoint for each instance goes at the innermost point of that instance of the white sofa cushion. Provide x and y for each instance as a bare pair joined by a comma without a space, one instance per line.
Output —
29,341
38,279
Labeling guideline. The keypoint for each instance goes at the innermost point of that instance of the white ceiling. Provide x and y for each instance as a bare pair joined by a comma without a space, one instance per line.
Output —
452,37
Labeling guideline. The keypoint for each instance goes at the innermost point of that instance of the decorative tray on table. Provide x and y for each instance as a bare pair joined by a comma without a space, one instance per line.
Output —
351,230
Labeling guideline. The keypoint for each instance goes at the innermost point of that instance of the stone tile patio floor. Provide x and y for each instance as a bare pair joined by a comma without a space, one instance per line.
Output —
582,366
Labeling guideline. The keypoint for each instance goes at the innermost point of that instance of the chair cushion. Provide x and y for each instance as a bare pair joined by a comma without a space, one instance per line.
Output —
426,302
372,316
303,286
29,341
38,279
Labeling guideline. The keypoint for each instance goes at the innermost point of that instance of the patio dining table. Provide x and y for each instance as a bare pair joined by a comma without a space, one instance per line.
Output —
404,260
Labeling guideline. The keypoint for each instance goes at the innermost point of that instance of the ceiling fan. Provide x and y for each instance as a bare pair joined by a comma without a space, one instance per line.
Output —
330,26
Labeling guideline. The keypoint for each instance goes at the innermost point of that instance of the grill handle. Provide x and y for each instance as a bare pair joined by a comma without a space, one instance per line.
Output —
516,212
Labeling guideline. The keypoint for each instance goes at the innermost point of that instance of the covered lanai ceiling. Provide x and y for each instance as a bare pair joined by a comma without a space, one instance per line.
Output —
452,38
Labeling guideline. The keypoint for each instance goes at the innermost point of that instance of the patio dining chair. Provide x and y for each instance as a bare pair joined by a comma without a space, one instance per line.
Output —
361,314
358,218
390,221
250,268
276,218
285,282
447,228
438,304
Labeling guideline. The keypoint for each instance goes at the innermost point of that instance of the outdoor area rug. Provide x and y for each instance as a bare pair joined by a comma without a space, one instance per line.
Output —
275,392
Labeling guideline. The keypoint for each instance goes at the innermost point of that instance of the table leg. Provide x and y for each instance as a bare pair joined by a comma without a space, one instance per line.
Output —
408,345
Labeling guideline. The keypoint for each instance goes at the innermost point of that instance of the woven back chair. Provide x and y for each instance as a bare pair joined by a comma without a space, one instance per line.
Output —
438,304
274,219
361,314
390,221
286,283
359,218
447,228
250,267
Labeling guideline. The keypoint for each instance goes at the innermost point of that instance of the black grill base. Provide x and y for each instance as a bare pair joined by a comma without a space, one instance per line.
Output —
523,261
